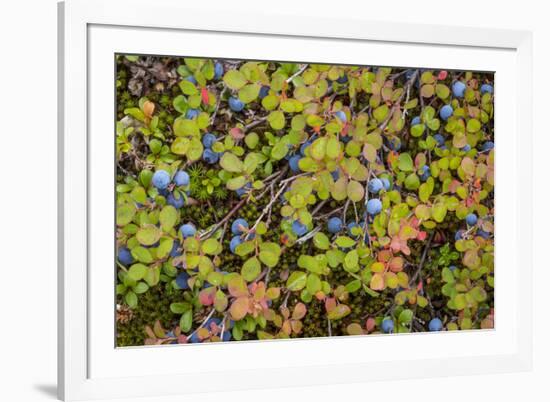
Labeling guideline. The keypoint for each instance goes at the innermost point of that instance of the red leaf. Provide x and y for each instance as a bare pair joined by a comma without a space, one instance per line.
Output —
371,324
204,96
442,75
237,133
206,296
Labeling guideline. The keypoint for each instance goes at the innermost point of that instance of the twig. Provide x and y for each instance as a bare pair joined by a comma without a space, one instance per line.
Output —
422,259
334,211
266,209
254,123
397,103
309,235
329,327
213,118
210,232
203,322
300,71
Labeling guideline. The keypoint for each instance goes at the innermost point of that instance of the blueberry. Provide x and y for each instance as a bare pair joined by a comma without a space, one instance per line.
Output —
471,219
387,326
235,241
425,173
293,163
395,143
218,70
486,88
181,280
194,338
210,156
175,252
459,234
161,179
435,325
181,178
306,144
341,115
386,183
483,234
264,90
236,104
242,191
439,139
487,146
210,321
335,174
191,113
374,206
452,268
124,256
226,336
188,230
342,80
208,140
466,148
415,121
298,228
334,224
375,185
446,112
458,89
238,226
176,200
191,79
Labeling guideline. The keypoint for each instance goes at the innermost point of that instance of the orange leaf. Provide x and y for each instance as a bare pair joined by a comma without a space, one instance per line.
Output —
239,308
377,282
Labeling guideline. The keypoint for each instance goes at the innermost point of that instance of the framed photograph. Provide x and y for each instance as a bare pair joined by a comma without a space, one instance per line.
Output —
248,204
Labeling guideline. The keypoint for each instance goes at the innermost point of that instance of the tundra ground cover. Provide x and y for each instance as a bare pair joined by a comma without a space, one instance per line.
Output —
267,200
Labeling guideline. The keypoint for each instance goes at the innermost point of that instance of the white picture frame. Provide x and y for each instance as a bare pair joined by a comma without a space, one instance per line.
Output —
89,365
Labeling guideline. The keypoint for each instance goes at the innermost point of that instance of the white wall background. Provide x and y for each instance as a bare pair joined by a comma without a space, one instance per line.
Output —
28,199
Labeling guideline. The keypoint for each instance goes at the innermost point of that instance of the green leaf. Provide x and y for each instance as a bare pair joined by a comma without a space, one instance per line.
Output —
268,258
179,308
188,88
142,254
473,126
381,113
234,79
279,151
148,235
210,246
231,163
439,211
186,320
125,213
334,147
131,299
351,261
321,241
168,217
345,241
236,182
251,269
296,281
339,312
310,263
405,317
249,93
137,272
405,162
276,120
185,127
355,191
313,284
